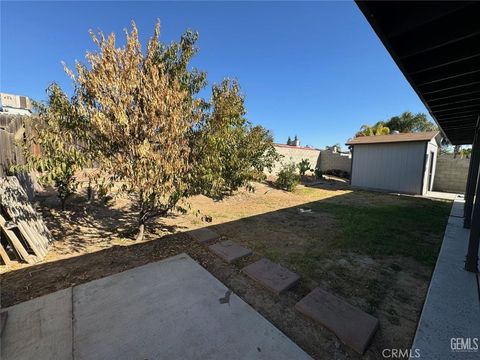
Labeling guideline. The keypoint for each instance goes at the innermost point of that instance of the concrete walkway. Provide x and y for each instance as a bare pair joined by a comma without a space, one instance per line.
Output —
172,309
442,195
450,319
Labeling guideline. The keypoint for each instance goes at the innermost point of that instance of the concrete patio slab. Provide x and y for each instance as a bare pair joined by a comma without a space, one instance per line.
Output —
204,235
39,329
353,326
274,277
229,251
450,317
172,309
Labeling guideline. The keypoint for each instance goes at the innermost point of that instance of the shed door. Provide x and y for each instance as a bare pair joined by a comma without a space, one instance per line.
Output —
430,171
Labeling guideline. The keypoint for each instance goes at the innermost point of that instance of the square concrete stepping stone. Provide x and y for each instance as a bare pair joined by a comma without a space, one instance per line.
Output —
203,235
274,277
353,326
229,250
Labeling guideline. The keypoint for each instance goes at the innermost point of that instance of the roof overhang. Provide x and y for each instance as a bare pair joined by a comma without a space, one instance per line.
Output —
437,47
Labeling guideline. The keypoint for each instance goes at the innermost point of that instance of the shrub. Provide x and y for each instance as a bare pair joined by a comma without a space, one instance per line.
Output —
318,173
338,173
304,166
288,178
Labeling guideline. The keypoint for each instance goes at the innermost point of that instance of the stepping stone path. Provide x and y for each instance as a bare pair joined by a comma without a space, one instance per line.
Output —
274,277
353,326
203,235
229,251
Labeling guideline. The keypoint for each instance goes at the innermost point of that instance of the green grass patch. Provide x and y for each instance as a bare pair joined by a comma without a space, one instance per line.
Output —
411,228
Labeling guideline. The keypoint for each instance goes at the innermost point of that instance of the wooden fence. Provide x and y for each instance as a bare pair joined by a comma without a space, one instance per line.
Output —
12,132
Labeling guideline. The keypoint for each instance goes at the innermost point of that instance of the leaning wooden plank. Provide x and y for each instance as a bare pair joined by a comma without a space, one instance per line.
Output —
15,241
34,220
25,229
31,237
15,202
4,256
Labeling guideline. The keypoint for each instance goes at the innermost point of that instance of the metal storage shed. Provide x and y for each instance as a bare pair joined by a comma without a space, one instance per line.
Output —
437,47
403,163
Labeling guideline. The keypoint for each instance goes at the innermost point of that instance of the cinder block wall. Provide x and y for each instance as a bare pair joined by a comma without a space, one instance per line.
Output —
330,160
323,159
295,154
451,174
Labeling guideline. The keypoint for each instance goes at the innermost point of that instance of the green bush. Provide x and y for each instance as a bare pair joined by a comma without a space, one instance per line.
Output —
304,166
288,178
318,173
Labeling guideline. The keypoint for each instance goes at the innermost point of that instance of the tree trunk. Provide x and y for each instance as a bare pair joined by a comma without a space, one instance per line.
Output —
62,201
141,230
141,219
89,191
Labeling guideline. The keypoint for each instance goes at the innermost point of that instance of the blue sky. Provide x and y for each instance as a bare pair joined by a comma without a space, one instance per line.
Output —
313,69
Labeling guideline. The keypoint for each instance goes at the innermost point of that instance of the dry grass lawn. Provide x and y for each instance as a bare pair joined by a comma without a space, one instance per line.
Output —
375,250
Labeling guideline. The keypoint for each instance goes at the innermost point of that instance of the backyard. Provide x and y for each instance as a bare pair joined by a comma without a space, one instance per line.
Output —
375,250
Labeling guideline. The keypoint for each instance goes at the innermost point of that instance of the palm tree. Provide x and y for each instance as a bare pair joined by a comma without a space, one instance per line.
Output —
409,122
378,129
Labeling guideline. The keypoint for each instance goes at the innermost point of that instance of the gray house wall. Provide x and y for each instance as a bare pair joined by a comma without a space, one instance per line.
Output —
396,167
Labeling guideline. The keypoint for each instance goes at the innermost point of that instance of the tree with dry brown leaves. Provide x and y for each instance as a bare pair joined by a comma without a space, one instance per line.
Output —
137,119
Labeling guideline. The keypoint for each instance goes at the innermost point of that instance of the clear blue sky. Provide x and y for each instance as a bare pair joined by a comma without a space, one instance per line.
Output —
313,69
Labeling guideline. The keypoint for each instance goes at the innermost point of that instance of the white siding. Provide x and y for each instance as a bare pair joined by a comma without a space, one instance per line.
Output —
397,167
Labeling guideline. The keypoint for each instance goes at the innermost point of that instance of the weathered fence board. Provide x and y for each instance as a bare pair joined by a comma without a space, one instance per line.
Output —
11,134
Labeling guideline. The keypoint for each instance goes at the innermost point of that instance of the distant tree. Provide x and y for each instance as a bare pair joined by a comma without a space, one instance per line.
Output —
409,122
404,123
289,141
378,129
333,147
446,149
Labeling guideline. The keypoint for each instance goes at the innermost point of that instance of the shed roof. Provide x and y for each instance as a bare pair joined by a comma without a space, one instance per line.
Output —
436,44
393,138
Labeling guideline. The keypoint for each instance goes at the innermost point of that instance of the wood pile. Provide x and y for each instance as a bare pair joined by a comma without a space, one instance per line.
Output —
25,235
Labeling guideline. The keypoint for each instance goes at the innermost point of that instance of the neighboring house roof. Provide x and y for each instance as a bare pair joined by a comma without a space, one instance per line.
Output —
296,147
393,138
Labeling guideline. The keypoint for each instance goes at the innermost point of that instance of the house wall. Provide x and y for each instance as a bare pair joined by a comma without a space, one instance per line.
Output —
396,167
451,174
